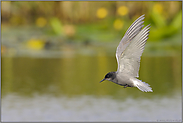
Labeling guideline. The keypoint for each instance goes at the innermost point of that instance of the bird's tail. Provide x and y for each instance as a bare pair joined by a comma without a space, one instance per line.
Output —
142,86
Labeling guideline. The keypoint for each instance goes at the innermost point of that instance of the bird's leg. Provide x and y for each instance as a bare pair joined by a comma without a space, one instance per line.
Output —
125,86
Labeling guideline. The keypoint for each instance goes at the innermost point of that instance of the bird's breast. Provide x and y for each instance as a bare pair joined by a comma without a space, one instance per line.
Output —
124,79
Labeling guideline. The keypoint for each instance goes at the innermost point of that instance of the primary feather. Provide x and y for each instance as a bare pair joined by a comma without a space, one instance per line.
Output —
129,61
132,31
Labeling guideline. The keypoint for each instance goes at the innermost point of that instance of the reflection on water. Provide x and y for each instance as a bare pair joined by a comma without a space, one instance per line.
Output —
89,108
75,93
80,75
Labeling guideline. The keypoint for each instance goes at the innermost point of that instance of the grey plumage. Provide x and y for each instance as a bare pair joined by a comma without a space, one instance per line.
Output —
128,56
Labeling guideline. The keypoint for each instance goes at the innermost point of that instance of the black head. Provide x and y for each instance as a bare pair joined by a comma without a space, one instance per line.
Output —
109,76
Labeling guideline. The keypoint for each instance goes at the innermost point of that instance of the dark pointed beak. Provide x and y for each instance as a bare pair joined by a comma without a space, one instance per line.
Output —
102,80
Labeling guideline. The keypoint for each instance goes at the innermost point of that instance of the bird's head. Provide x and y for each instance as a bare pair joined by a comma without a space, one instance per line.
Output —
109,76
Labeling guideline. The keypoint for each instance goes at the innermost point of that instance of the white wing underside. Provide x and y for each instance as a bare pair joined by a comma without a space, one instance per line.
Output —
131,47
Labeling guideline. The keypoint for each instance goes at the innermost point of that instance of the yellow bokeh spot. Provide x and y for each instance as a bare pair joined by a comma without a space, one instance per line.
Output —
41,22
118,24
35,44
122,10
101,13
158,8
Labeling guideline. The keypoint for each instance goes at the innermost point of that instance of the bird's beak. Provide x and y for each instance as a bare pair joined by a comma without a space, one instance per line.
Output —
102,80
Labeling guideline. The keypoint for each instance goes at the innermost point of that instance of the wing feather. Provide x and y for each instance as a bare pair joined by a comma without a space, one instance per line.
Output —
132,31
129,61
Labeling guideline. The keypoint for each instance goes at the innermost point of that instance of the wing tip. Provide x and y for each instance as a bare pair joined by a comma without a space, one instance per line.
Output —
135,27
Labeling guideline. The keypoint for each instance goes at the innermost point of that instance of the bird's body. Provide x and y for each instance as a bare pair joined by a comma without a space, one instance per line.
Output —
128,55
124,80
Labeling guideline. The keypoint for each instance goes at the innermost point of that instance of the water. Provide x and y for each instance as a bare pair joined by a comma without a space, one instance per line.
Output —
90,108
48,85
68,89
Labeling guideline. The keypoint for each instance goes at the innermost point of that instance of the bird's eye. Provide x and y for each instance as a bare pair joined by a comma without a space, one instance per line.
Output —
107,76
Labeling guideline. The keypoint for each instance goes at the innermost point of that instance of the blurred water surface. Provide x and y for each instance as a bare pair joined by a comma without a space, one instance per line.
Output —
67,88
90,108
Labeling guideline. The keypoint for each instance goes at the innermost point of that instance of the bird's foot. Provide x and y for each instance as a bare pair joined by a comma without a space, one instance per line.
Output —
127,86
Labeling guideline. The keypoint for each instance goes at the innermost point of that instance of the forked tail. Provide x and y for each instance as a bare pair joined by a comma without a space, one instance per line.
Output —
142,86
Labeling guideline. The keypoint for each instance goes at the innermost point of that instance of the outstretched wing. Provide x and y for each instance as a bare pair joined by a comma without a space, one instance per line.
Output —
132,31
129,61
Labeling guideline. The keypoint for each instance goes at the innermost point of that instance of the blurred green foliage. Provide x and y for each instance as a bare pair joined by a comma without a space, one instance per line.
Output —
94,21
163,29
56,25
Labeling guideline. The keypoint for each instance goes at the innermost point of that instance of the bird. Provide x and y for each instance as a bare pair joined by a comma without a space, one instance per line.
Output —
128,55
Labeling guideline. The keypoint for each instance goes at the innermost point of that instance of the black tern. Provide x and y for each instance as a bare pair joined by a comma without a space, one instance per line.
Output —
128,55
